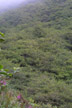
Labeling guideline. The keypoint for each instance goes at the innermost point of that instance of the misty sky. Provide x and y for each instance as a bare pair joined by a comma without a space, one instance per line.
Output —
6,3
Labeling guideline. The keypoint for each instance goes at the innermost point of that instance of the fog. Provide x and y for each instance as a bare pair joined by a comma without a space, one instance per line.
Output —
10,3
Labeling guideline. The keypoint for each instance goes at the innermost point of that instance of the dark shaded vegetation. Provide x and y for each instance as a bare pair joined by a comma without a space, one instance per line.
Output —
39,41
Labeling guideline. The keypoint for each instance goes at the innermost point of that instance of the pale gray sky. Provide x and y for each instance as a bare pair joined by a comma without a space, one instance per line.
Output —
5,3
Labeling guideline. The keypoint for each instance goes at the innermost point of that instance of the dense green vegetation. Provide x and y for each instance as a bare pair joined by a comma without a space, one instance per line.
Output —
39,42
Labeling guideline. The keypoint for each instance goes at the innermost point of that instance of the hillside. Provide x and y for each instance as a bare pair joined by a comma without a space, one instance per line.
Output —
39,41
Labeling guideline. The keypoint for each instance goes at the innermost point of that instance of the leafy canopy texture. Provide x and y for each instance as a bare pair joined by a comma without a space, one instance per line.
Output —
39,44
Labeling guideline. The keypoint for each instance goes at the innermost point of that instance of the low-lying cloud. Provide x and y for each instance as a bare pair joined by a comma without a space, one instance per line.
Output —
6,3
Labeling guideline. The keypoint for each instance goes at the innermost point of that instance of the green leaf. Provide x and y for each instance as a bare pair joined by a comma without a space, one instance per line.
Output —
9,74
6,70
3,73
1,37
1,40
2,34
1,67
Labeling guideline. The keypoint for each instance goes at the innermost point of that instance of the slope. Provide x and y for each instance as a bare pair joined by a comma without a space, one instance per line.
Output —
39,41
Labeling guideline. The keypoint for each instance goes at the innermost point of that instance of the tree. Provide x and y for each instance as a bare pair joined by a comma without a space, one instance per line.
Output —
39,32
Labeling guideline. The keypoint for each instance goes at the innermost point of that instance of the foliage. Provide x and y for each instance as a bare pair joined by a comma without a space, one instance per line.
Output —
38,32
39,42
1,37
